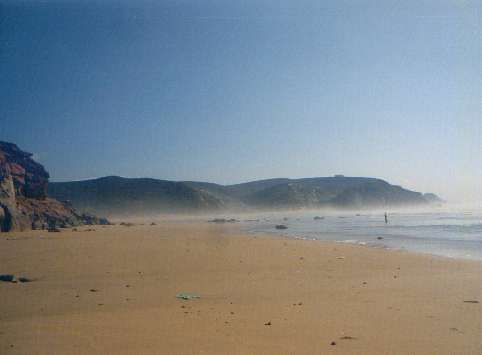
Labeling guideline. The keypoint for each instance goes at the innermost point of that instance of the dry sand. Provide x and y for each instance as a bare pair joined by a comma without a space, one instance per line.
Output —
112,291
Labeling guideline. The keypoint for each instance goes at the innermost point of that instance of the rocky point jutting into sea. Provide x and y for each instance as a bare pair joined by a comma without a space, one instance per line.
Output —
24,203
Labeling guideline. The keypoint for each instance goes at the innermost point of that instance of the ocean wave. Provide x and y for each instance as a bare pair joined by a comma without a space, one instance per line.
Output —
460,228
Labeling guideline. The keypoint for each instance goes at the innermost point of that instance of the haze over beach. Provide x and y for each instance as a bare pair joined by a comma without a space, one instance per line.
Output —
251,177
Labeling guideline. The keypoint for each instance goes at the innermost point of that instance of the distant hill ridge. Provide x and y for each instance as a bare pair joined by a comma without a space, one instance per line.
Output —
113,195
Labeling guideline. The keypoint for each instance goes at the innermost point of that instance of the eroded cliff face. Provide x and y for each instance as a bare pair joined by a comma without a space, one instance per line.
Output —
29,177
24,203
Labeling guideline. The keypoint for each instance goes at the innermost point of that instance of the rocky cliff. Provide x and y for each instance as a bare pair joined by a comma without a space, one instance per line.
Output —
24,203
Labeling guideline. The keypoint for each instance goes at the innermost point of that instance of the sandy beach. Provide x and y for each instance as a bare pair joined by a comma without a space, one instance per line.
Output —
112,290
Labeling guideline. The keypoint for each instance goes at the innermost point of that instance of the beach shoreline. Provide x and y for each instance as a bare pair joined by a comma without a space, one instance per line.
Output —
112,290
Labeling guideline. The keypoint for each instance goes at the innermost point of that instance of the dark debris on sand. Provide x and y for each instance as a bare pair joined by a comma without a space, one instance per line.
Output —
126,224
13,279
223,220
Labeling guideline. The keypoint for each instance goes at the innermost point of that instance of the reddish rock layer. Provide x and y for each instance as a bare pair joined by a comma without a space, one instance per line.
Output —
23,195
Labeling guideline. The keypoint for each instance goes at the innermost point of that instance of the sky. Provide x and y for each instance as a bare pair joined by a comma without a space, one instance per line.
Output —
232,91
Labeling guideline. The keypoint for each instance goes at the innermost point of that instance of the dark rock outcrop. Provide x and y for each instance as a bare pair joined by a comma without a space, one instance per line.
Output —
24,203
28,177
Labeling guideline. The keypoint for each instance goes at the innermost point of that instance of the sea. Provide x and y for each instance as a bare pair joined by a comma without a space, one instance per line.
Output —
444,233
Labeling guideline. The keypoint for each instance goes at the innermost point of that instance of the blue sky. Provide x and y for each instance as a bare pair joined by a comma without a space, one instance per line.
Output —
230,91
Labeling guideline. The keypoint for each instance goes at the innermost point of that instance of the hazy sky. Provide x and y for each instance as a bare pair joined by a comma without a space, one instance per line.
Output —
229,91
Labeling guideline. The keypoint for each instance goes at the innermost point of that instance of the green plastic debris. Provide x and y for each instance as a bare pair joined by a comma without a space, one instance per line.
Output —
187,296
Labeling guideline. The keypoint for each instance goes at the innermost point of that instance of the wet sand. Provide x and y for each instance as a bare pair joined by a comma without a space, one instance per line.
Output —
113,291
